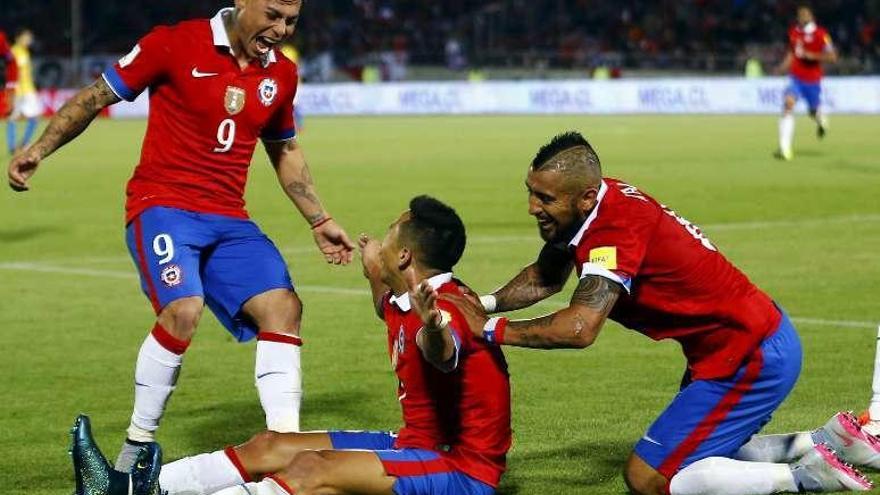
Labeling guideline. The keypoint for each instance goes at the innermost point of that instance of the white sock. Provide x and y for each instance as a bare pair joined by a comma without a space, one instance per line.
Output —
786,132
279,380
723,476
200,475
155,376
776,448
821,118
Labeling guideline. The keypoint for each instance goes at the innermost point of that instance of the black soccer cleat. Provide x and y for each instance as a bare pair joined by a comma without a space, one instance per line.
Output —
145,473
94,475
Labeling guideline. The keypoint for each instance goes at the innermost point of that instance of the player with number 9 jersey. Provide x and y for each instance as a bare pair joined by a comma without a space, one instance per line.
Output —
206,116
216,86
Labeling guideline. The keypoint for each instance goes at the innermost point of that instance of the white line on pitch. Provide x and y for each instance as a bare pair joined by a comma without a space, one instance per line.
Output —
496,239
325,289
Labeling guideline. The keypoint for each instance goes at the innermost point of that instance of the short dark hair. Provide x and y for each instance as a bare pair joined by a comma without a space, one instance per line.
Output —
435,231
562,142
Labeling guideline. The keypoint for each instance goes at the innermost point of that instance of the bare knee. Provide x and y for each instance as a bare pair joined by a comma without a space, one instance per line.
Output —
278,311
264,453
181,317
642,479
309,471
789,103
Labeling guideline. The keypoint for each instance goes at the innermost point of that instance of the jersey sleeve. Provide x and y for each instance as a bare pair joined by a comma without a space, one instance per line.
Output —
615,250
281,127
827,44
146,63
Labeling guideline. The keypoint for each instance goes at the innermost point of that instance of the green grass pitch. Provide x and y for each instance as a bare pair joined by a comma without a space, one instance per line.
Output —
72,315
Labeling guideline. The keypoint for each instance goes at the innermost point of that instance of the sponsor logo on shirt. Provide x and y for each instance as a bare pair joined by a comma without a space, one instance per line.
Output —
234,100
605,256
267,90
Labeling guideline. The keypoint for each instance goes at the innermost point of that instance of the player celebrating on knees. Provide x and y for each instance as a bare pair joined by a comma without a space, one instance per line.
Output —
644,266
809,46
216,87
453,390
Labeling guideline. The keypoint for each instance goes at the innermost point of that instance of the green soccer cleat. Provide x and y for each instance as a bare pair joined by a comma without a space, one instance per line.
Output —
94,475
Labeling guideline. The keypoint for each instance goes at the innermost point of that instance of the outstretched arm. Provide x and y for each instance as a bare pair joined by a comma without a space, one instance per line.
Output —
576,326
538,281
295,178
68,123
373,271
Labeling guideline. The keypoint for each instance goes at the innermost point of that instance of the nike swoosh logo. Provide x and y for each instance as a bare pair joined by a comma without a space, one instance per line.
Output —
270,374
651,440
197,74
847,442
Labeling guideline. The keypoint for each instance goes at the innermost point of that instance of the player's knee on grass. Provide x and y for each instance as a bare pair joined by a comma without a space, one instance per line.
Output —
278,311
181,317
642,479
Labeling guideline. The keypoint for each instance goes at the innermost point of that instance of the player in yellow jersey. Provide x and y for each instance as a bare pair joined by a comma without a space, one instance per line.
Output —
27,105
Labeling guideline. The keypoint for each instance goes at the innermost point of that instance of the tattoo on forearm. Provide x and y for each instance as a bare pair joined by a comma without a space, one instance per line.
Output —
537,281
75,116
302,191
596,293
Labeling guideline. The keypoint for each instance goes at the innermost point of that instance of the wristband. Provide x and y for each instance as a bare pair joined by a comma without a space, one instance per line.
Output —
321,222
493,330
489,303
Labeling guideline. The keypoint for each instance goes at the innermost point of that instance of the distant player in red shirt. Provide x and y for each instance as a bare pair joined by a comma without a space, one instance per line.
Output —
453,389
8,77
644,266
216,87
809,46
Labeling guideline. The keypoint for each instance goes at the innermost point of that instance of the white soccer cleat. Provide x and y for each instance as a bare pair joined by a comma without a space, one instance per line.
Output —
844,434
822,471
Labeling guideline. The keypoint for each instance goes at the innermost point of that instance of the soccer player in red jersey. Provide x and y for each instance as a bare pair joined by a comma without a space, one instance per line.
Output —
644,266
809,46
216,87
8,78
453,390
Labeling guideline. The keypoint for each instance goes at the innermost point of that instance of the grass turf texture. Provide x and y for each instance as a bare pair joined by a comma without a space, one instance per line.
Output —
73,316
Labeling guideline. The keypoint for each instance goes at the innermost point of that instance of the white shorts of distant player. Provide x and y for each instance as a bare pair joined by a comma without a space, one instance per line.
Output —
27,106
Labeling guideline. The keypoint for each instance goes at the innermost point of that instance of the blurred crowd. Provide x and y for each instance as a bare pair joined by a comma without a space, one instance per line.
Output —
341,38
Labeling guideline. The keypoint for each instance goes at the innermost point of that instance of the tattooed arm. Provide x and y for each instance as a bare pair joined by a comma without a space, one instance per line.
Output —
573,327
538,281
68,123
293,174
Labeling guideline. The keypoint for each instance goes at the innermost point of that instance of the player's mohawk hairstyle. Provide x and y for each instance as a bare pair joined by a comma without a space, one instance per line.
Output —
437,231
564,142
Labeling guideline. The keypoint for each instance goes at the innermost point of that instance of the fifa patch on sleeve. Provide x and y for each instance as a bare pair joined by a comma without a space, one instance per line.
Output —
605,256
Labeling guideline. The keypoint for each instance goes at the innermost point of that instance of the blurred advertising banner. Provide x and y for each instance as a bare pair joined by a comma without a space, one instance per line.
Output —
860,95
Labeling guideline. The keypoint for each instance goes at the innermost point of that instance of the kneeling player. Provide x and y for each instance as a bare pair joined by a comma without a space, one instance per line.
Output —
644,266
454,392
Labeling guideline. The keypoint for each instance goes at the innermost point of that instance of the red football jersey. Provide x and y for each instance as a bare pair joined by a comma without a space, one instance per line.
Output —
463,414
11,74
678,285
811,38
206,114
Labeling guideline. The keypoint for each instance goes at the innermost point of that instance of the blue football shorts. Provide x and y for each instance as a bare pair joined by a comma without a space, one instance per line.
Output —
418,471
223,259
714,418
811,92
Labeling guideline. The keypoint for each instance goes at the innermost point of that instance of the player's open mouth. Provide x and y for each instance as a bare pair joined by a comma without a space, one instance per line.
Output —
264,44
